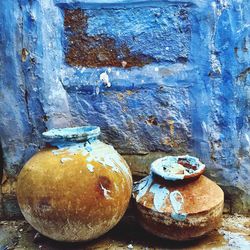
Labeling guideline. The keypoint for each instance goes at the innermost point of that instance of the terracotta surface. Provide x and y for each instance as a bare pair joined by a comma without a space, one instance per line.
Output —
202,206
65,200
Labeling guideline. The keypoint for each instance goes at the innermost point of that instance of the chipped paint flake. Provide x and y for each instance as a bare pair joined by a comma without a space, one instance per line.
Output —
160,196
177,203
143,187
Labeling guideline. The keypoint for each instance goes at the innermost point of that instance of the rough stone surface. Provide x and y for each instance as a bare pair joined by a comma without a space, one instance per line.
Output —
192,96
234,234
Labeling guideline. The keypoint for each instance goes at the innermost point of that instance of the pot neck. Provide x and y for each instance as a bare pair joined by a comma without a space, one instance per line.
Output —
70,136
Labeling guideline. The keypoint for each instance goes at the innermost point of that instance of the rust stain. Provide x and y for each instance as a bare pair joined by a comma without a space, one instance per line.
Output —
96,51
151,120
172,139
243,75
171,127
24,54
120,96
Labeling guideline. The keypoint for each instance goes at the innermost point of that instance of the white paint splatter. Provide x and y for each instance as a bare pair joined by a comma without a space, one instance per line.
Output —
90,168
63,160
89,158
97,90
105,79
204,126
105,192
102,153
124,64
215,64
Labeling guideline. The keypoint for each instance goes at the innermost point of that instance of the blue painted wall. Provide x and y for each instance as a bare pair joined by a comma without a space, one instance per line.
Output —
192,98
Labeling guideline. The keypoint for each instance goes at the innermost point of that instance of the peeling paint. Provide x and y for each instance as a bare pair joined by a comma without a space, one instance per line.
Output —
161,195
142,187
66,141
177,203
96,51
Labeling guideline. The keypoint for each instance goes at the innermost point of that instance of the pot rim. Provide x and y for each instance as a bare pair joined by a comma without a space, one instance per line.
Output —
77,134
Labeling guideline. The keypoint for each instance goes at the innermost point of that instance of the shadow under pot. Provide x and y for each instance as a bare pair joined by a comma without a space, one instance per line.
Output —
176,201
77,189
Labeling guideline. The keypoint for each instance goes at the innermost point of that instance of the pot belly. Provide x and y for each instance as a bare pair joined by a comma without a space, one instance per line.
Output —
73,197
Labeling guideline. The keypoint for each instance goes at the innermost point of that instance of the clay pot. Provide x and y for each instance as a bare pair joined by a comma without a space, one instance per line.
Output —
76,190
176,202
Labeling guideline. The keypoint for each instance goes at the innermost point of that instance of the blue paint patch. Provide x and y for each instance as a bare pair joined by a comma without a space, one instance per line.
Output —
178,217
160,197
157,32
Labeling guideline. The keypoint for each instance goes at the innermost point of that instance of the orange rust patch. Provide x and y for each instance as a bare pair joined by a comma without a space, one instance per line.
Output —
96,51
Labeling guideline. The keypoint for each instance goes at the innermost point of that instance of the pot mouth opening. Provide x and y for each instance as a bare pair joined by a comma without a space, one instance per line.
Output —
174,168
72,134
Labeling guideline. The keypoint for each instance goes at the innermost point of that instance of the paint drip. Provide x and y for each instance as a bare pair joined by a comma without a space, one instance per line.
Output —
161,196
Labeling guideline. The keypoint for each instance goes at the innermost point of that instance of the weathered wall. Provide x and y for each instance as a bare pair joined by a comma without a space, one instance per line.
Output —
179,75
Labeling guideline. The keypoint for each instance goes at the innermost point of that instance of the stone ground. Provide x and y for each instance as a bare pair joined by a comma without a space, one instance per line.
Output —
234,234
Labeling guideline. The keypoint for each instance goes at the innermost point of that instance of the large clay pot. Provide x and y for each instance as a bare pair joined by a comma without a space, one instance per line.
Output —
76,190
176,202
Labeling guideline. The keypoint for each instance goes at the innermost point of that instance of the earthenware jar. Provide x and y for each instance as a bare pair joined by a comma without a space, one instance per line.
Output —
175,201
77,189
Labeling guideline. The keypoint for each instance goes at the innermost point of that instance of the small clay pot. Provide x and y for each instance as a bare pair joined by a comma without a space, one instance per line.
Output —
77,189
177,203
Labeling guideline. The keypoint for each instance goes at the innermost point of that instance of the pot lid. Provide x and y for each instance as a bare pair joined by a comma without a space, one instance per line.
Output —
174,168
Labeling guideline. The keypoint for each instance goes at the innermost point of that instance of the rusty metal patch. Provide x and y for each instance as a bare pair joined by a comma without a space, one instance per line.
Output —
96,51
